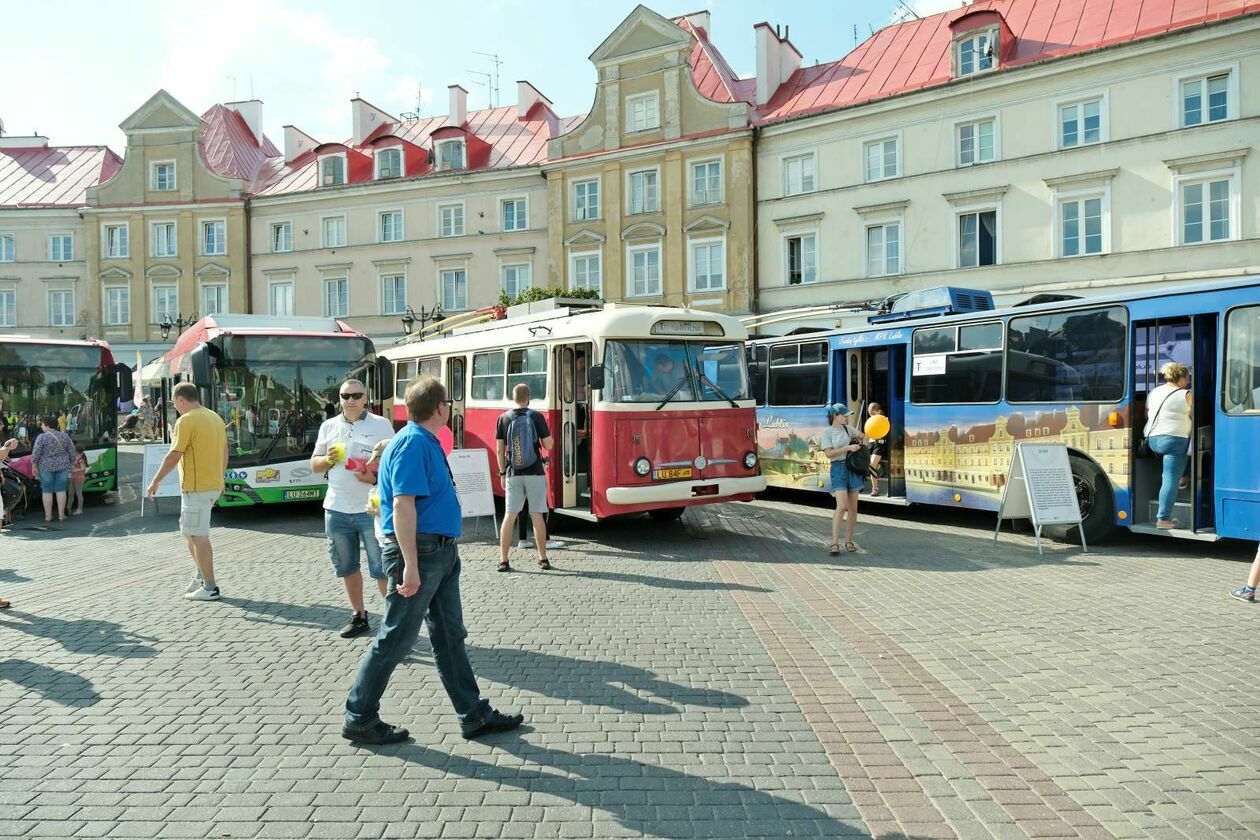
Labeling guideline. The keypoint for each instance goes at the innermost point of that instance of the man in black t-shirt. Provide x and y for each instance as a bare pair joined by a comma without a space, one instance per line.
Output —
521,435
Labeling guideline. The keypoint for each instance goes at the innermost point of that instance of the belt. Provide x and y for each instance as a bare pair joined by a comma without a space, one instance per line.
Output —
440,539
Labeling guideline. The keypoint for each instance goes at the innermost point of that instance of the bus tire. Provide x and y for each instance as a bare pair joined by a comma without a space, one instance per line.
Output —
1098,505
667,514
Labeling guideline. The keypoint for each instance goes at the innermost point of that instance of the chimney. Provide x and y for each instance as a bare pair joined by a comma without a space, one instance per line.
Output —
18,141
699,19
251,111
776,60
527,96
296,143
459,105
366,118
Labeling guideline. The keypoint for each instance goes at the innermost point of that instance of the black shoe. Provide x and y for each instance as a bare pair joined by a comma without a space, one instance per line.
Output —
357,627
379,732
495,722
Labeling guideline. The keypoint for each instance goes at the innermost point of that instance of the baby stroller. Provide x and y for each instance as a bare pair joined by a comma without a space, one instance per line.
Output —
16,491
130,429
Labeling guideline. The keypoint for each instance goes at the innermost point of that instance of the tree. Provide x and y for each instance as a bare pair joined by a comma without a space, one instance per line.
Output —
533,294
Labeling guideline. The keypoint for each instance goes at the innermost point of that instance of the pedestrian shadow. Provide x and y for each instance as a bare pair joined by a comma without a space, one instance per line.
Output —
64,687
10,576
311,616
647,799
589,682
659,582
88,636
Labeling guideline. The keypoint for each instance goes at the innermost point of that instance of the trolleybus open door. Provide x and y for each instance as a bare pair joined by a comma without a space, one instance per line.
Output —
877,375
571,460
455,387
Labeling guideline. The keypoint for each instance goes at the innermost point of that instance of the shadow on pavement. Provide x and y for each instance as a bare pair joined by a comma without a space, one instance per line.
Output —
651,580
64,687
90,636
313,616
10,576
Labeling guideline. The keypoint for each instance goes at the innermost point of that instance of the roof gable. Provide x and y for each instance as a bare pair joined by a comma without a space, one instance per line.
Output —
161,111
642,32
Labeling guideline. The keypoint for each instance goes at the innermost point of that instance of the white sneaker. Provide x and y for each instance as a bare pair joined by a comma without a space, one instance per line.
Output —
203,594
524,544
555,543
195,585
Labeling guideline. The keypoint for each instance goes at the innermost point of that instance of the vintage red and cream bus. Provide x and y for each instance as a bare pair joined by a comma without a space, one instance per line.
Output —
648,407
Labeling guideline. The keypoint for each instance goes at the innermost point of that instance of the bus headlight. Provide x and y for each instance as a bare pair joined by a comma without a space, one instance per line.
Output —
643,466
750,460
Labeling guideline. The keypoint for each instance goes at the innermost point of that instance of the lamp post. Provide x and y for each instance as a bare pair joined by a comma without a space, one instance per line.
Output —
424,316
179,323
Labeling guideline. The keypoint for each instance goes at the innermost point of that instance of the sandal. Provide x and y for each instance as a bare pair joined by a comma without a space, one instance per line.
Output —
504,566
834,550
544,565
850,547
1167,524
4,605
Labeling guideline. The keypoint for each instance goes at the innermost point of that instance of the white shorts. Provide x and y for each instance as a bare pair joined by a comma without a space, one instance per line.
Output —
194,512
521,488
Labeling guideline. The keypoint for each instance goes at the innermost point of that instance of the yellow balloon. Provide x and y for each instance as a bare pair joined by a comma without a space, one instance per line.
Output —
877,427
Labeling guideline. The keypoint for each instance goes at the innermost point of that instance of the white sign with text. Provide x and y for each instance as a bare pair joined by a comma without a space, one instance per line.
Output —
1040,487
154,454
470,468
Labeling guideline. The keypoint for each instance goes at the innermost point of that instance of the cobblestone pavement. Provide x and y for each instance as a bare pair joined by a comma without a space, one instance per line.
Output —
721,677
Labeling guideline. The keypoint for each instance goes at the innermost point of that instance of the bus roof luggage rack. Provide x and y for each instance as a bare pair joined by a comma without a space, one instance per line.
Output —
941,300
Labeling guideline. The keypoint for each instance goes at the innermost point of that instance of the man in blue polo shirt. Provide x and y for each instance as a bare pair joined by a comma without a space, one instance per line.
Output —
421,520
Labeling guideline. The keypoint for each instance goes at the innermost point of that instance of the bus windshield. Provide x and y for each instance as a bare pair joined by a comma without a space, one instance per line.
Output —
274,391
674,371
42,379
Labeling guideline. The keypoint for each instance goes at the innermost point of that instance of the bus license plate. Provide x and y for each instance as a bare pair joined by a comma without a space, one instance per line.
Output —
670,475
294,495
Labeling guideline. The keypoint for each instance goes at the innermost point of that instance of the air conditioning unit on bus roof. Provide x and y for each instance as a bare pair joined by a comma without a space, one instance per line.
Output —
941,300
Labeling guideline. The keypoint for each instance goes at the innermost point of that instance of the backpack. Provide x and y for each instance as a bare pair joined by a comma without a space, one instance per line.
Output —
859,460
522,440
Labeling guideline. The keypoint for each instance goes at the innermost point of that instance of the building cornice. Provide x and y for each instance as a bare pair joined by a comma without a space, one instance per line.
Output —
803,218
981,194
434,180
886,207
1081,178
1208,160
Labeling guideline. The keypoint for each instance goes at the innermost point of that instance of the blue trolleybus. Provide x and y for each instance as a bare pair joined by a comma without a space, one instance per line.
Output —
963,382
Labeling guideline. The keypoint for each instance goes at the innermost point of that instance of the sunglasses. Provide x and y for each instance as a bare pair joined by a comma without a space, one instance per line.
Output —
357,395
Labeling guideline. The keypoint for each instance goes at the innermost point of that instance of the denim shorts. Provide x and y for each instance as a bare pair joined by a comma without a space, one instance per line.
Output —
844,479
53,481
344,532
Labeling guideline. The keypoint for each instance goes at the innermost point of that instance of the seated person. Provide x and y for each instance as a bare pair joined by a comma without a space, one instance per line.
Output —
665,376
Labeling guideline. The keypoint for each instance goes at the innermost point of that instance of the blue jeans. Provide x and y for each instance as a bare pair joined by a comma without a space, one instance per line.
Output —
438,604
344,532
53,481
1176,452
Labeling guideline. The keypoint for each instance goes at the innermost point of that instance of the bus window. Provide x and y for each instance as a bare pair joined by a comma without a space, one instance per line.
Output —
957,365
939,340
429,367
1067,357
528,365
758,371
487,376
404,372
725,376
1242,361
647,371
798,374
456,385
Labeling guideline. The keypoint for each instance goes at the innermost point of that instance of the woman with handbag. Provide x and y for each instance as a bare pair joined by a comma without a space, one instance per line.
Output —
1168,435
842,445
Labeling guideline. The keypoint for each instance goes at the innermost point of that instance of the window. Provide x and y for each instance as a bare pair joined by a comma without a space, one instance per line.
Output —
1080,123
7,249
585,271
975,53
332,170
61,307
165,304
706,182
163,234
1067,357
1205,207
214,299
61,247
798,175
513,214
337,297
334,231
585,200
515,279
642,113
957,364
389,163
799,374
164,176
528,365
1205,100
644,192
115,237
976,142
882,159
117,305
883,249
977,238
1081,226
645,270
451,220
450,155
281,298
393,294
281,237
214,238
390,226
8,307
708,265
802,259
454,283
1242,361
487,376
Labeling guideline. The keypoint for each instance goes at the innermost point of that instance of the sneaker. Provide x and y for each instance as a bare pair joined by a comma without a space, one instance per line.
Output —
194,585
495,722
1243,595
357,627
203,594
523,544
379,732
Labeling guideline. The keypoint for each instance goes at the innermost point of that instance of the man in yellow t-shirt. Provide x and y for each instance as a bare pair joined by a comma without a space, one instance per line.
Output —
199,447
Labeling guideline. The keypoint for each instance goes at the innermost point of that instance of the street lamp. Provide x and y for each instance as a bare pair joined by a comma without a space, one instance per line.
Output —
424,316
179,323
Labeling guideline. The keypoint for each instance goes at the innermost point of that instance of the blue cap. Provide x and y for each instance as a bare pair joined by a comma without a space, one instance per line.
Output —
838,409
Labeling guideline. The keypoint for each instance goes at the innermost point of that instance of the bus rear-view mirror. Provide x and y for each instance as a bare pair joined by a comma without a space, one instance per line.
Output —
384,379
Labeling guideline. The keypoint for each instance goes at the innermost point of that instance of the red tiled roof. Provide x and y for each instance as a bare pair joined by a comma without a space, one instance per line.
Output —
229,147
713,77
53,176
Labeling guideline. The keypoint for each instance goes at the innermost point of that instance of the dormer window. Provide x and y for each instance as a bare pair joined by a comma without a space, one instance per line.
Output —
450,155
389,163
976,52
332,170
642,113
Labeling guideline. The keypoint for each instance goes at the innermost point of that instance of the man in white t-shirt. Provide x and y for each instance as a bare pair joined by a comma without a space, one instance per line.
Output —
342,452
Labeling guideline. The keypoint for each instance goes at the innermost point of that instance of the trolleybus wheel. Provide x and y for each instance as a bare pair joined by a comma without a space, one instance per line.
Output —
667,514
1098,506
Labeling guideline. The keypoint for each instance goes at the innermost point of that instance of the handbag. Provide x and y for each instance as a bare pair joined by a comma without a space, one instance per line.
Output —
1144,447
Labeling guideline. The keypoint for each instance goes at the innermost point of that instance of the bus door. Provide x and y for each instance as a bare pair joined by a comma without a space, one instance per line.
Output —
877,375
455,370
572,454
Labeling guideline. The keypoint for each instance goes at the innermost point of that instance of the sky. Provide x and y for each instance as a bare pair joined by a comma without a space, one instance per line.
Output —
73,76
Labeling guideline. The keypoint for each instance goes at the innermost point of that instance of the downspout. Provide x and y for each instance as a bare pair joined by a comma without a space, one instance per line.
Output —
249,259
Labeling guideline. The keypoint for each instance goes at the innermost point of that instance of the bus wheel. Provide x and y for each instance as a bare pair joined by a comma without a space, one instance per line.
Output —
1098,506
667,514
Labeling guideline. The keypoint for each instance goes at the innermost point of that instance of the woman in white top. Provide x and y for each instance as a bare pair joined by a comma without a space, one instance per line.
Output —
1168,428
838,440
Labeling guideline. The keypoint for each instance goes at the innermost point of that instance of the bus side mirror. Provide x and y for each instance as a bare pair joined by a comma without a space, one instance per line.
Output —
595,377
123,382
384,379
199,359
